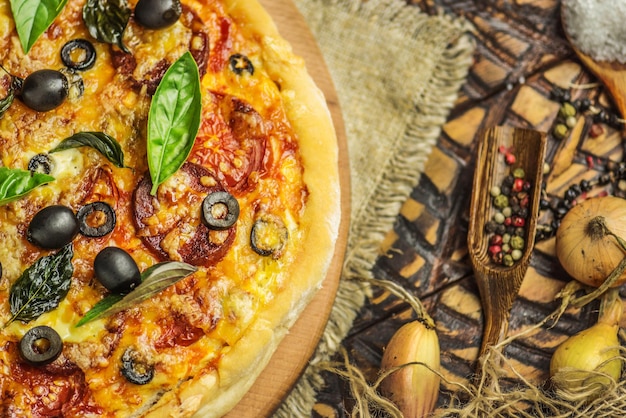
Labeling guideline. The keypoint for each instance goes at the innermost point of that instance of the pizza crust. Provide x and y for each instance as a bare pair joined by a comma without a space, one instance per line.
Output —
215,393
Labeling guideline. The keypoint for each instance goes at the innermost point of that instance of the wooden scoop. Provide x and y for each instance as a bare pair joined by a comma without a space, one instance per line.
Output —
611,73
497,283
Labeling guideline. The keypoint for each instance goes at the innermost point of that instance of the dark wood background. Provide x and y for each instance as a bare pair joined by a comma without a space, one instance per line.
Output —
521,56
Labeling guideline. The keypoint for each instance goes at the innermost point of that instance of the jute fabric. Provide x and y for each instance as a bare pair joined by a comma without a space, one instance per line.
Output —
397,72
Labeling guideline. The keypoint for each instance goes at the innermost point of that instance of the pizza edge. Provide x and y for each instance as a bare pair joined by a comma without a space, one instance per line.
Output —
215,393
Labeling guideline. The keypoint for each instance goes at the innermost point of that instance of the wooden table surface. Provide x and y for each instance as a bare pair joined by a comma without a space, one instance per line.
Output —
521,56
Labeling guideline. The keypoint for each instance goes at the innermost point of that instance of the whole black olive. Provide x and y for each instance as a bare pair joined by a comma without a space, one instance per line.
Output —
53,227
116,270
40,345
220,210
44,90
96,219
157,14
136,369
78,54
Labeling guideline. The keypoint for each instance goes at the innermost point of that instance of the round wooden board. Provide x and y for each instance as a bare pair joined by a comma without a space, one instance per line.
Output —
293,354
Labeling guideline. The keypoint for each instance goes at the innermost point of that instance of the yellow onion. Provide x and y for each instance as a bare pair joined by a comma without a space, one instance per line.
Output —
414,388
587,240
589,362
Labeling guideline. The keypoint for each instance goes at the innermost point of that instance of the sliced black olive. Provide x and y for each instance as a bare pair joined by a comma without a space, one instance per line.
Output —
157,14
96,219
135,369
53,227
40,345
78,54
220,210
240,63
116,270
40,163
269,236
44,90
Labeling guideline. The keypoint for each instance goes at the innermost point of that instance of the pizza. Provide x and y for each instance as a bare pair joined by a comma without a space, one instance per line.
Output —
169,204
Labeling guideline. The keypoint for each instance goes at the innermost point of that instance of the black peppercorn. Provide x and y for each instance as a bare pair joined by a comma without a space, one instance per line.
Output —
585,104
585,185
604,179
570,195
491,226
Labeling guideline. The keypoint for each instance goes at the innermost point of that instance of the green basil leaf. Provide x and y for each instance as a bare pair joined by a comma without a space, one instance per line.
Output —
7,100
99,310
154,280
174,119
105,144
42,286
15,183
33,17
106,20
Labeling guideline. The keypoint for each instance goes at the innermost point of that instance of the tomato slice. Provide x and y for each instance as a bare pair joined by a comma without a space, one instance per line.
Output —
232,142
170,223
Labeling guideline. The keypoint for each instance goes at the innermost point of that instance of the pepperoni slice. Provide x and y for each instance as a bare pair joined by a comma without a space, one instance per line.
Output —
170,223
126,64
232,142
61,388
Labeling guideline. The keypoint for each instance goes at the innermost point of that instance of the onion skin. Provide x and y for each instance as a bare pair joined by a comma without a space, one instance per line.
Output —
586,258
414,388
577,362
588,351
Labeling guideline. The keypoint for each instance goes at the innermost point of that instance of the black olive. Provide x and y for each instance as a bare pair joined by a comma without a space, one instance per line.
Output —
157,14
78,54
136,369
91,214
116,270
240,63
220,210
44,90
40,163
41,345
53,227
269,236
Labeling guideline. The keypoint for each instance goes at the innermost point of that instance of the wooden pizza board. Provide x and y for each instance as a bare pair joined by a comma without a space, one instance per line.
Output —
293,354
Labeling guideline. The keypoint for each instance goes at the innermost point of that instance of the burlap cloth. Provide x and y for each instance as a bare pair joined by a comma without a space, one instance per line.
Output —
397,73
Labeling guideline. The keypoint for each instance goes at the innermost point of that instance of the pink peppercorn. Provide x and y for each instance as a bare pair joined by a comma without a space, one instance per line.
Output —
496,240
518,222
518,185
494,250
596,130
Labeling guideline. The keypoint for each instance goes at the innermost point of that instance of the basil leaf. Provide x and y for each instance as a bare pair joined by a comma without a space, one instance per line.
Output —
15,183
106,20
33,17
105,144
99,310
42,286
14,85
154,280
174,119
